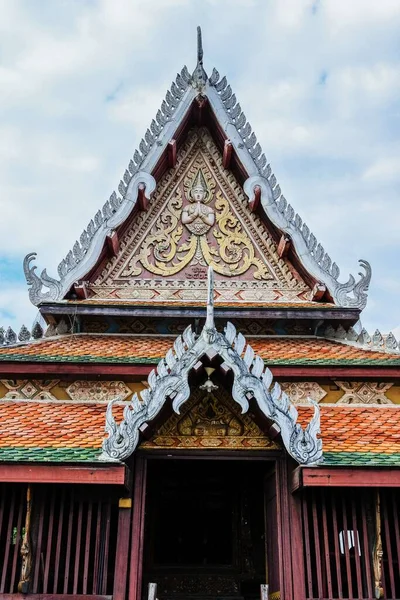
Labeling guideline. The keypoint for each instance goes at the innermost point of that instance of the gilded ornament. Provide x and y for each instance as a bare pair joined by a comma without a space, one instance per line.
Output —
216,237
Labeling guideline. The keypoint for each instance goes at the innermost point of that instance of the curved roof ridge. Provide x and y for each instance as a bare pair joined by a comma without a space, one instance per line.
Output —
138,177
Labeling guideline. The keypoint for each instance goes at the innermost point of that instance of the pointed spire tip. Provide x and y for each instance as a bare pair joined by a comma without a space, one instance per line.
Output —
199,46
199,76
210,300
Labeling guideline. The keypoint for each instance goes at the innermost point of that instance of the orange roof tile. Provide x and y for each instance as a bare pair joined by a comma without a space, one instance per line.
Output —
133,349
349,431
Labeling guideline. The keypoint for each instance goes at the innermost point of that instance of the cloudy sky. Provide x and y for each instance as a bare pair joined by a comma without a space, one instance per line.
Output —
80,81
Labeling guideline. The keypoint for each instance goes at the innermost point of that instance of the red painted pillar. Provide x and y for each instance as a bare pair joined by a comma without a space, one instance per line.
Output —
122,550
297,540
290,536
137,539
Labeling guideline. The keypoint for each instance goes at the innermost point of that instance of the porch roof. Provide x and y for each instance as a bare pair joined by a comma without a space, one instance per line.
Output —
71,432
148,350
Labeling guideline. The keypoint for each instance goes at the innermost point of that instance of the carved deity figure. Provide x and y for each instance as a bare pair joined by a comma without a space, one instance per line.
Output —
197,216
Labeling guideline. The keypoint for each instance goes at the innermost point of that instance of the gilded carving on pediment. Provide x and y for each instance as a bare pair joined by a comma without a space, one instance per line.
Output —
210,420
189,231
199,217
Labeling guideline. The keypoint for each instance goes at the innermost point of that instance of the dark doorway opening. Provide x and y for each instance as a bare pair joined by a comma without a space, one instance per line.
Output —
204,528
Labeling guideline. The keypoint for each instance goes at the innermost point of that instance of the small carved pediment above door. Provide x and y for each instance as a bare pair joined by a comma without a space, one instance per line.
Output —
210,421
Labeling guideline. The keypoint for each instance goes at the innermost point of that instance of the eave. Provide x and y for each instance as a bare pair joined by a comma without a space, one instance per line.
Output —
308,477
138,371
112,474
348,316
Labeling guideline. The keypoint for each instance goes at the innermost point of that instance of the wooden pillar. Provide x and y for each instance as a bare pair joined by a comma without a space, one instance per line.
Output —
122,549
286,565
136,559
297,542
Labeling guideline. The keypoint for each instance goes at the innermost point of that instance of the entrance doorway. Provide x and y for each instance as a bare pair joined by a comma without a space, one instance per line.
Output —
205,528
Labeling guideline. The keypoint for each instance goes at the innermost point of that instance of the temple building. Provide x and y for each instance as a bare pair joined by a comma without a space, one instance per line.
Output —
201,417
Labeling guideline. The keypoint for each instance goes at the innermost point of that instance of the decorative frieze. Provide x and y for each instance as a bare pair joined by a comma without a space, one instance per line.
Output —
32,389
303,392
97,391
364,392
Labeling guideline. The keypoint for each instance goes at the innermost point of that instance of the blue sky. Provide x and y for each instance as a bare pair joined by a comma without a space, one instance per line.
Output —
319,81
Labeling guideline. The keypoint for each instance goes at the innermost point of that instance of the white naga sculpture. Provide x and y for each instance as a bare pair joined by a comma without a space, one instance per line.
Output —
251,379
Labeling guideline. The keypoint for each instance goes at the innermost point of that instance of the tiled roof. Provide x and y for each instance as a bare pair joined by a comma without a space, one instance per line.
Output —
359,435
73,432
131,349
51,431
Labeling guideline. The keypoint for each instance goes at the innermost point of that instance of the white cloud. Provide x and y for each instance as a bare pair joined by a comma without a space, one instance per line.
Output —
387,169
319,81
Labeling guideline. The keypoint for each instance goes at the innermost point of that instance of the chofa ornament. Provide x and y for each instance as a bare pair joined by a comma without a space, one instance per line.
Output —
169,381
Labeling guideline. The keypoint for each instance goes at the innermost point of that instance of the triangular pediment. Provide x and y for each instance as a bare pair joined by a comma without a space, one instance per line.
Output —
154,175
210,420
198,216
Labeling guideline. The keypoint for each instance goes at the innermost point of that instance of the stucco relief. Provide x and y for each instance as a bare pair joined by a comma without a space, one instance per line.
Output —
97,390
210,420
198,227
304,391
32,389
364,392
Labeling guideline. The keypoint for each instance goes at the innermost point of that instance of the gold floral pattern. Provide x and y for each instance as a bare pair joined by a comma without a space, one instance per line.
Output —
166,249
170,247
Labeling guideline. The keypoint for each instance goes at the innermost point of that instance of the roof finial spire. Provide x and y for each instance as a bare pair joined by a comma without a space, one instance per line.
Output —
199,76
199,46
209,332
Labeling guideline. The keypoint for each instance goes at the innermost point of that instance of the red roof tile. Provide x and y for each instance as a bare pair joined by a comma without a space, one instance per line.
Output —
344,429
112,348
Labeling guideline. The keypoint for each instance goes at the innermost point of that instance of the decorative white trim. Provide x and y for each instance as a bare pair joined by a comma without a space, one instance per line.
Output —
317,262
251,380
231,118
377,342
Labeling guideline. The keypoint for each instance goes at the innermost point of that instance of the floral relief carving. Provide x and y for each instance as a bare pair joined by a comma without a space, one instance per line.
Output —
304,391
364,392
97,390
198,217
184,233
29,389
210,421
